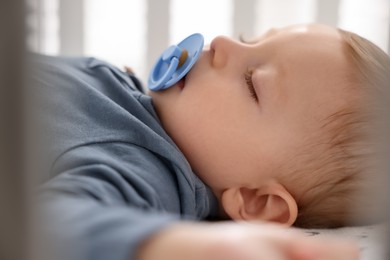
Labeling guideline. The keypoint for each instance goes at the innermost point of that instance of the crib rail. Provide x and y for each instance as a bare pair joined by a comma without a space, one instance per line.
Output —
12,179
371,18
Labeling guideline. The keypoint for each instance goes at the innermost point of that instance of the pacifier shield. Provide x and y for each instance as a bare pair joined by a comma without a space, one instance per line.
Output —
175,62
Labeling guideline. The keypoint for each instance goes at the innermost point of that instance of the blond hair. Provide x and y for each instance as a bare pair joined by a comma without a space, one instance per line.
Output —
345,167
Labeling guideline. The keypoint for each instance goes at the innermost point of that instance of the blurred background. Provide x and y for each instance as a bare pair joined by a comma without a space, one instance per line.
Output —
135,32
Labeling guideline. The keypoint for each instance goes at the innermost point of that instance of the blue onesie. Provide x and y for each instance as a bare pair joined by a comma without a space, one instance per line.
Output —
116,177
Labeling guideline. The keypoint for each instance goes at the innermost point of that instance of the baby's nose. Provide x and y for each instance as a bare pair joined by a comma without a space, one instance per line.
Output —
219,47
221,42
224,48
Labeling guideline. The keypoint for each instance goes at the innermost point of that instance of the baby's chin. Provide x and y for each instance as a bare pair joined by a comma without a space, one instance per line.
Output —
164,99
163,103
157,98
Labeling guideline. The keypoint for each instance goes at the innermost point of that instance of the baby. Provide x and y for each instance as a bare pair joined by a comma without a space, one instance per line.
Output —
275,126
273,130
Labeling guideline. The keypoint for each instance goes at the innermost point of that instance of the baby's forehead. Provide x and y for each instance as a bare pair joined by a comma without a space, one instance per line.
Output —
324,39
312,29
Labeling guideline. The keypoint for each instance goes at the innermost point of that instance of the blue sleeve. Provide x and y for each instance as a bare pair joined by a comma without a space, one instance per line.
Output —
101,207
115,176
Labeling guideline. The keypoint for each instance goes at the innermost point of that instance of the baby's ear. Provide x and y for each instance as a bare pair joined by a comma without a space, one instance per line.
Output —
271,202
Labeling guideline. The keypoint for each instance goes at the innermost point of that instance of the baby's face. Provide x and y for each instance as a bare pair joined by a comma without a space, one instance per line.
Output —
233,135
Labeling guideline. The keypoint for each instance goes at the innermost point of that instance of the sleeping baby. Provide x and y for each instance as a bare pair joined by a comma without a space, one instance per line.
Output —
275,130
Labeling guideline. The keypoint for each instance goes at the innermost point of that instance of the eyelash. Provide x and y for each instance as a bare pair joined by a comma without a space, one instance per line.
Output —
249,83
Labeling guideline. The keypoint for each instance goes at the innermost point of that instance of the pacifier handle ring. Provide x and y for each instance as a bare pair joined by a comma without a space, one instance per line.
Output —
171,69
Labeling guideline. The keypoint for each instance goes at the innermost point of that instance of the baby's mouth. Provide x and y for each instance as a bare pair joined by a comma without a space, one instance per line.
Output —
181,83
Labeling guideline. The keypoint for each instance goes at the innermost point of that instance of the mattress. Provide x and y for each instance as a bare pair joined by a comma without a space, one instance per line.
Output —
373,240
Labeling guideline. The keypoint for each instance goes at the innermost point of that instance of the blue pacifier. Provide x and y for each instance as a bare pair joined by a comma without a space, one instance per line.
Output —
175,62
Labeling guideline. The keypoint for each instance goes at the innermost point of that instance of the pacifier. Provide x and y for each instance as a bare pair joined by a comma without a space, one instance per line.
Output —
175,62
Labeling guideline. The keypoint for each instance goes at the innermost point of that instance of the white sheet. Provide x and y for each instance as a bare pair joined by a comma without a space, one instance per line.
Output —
373,240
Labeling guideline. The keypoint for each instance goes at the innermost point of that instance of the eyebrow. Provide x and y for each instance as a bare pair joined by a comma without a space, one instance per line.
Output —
257,39
271,32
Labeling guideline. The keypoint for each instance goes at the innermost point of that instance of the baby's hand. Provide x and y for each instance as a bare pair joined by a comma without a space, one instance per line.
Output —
242,241
129,70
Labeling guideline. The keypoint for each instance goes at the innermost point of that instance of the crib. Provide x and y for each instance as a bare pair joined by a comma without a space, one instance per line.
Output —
135,32
84,27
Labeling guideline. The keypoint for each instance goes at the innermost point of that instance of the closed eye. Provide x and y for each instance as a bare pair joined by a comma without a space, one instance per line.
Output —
249,82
